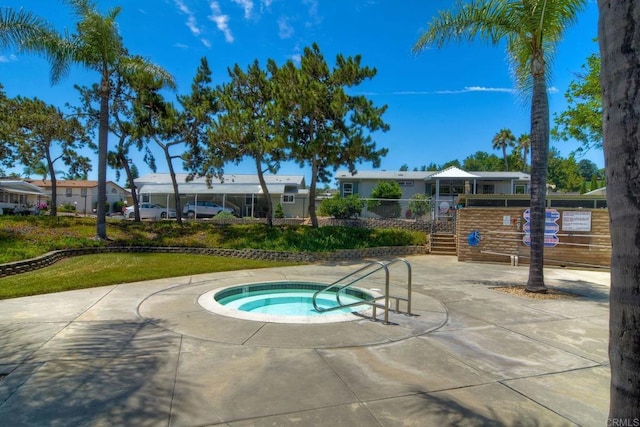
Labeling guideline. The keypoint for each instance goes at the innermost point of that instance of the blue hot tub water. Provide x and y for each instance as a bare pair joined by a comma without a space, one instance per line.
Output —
287,299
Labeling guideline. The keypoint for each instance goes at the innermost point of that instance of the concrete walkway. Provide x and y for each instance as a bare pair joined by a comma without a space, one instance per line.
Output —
147,354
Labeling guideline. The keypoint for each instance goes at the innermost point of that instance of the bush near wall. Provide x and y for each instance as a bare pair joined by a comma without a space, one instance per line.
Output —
501,231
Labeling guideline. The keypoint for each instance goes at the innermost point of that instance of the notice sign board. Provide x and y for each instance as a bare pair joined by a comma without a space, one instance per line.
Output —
551,228
576,221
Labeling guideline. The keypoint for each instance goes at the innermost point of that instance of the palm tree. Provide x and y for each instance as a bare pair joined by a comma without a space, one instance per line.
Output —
620,52
532,30
97,46
524,144
501,141
16,26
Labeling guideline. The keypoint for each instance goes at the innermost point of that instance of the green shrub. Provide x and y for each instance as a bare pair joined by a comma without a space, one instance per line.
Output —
279,213
388,192
117,206
67,207
419,205
342,208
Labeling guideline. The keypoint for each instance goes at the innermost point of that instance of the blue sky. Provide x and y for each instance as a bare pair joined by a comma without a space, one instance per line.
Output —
442,104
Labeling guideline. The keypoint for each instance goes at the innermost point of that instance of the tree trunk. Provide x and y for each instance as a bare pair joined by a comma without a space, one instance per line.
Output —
265,192
312,194
53,209
103,142
174,183
619,36
132,186
504,156
539,161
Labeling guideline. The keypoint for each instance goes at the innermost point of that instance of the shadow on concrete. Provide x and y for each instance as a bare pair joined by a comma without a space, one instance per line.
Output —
104,373
445,411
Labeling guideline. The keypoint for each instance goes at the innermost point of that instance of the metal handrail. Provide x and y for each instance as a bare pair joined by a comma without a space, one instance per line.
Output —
379,266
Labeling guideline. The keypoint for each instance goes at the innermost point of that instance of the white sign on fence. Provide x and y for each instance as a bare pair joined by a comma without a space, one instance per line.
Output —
576,221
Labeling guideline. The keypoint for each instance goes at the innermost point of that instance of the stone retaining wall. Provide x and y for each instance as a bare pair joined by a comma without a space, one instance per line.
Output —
412,225
47,259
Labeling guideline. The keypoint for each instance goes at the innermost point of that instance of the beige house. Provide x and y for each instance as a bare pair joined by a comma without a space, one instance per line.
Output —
82,194
240,192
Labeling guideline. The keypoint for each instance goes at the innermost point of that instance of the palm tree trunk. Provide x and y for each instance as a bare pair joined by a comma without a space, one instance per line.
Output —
504,156
103,142
620,75
539,161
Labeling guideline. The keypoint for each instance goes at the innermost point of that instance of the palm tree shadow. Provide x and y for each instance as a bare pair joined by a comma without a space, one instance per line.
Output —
446,411
111,373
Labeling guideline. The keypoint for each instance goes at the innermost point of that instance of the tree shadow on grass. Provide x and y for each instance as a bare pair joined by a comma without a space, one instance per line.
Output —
98,373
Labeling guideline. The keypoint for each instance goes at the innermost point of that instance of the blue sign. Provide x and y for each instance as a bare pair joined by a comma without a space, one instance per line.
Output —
549,228
552,215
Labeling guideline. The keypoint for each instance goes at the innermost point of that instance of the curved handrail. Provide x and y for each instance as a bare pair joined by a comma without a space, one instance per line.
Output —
380,266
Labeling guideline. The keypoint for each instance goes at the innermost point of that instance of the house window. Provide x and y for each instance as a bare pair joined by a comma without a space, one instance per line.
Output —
146,198
347,189
68,192
288,198
405,183
488,189
521,189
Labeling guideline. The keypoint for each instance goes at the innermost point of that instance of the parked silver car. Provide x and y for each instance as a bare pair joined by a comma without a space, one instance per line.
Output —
150,211
203,209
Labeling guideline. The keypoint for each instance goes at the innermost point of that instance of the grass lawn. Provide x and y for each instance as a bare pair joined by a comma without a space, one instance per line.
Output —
107,269
28,237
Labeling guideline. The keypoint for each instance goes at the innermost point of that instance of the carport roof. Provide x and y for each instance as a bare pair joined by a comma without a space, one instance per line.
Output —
193,188
21,187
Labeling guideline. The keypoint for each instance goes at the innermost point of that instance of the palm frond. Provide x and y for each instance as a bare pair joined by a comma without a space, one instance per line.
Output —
18,27
485,20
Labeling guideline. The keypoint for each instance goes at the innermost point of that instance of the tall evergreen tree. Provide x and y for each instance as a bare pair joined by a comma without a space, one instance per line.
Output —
325,126
42,131
247,124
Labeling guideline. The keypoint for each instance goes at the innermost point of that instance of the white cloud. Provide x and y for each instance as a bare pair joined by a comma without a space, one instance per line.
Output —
192,22
221,21
313,12
468,89
10,58
285,30
247,5
296,57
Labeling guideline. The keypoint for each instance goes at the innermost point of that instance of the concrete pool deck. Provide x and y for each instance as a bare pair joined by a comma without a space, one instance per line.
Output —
146,354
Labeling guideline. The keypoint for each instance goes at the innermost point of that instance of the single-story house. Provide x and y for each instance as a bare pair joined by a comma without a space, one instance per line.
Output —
17,196
82,194
443,187
240,192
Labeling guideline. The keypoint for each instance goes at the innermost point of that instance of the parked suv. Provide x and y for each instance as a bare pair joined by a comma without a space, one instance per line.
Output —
203,209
